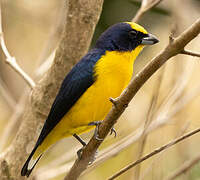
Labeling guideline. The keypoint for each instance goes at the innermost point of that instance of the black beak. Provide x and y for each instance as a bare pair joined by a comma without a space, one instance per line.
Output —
149,40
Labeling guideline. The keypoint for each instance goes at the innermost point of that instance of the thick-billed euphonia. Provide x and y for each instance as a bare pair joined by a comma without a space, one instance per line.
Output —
83,98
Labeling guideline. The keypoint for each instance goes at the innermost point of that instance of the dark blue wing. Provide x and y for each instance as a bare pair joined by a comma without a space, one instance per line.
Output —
79,79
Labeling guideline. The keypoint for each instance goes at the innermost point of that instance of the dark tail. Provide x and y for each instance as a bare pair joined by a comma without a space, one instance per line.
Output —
25,170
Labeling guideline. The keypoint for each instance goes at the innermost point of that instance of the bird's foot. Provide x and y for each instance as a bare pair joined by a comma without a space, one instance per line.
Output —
113,131
97,124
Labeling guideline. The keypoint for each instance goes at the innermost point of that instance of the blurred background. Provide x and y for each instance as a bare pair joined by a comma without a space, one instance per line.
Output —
166,107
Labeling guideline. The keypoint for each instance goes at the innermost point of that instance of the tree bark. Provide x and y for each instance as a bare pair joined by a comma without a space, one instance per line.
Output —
81,19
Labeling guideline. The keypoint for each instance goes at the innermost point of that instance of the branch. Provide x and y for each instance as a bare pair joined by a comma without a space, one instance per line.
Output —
171,50
156,151
11,60
190,53
145,6
81,19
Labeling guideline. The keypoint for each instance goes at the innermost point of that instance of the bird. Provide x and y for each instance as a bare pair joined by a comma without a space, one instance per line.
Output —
83,99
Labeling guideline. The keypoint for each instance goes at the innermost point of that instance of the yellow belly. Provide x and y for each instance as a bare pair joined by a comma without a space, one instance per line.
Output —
113,72
93,105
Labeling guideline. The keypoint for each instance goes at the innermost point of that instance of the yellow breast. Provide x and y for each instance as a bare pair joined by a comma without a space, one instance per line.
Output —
113,73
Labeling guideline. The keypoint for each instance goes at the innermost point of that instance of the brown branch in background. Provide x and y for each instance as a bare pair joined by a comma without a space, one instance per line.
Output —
156,151
174,47
184,168
81,19
190,53
11,60
146,5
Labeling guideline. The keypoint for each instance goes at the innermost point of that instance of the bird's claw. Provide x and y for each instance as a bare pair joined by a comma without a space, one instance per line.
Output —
113,131
97,124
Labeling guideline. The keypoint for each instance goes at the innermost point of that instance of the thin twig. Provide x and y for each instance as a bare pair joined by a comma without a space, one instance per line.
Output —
190,53
11,60
145,6
156,151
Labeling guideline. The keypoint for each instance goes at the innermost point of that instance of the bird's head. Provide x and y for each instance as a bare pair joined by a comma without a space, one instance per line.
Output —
125,37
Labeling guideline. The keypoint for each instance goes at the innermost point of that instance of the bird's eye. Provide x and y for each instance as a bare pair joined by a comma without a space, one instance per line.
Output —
133,33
